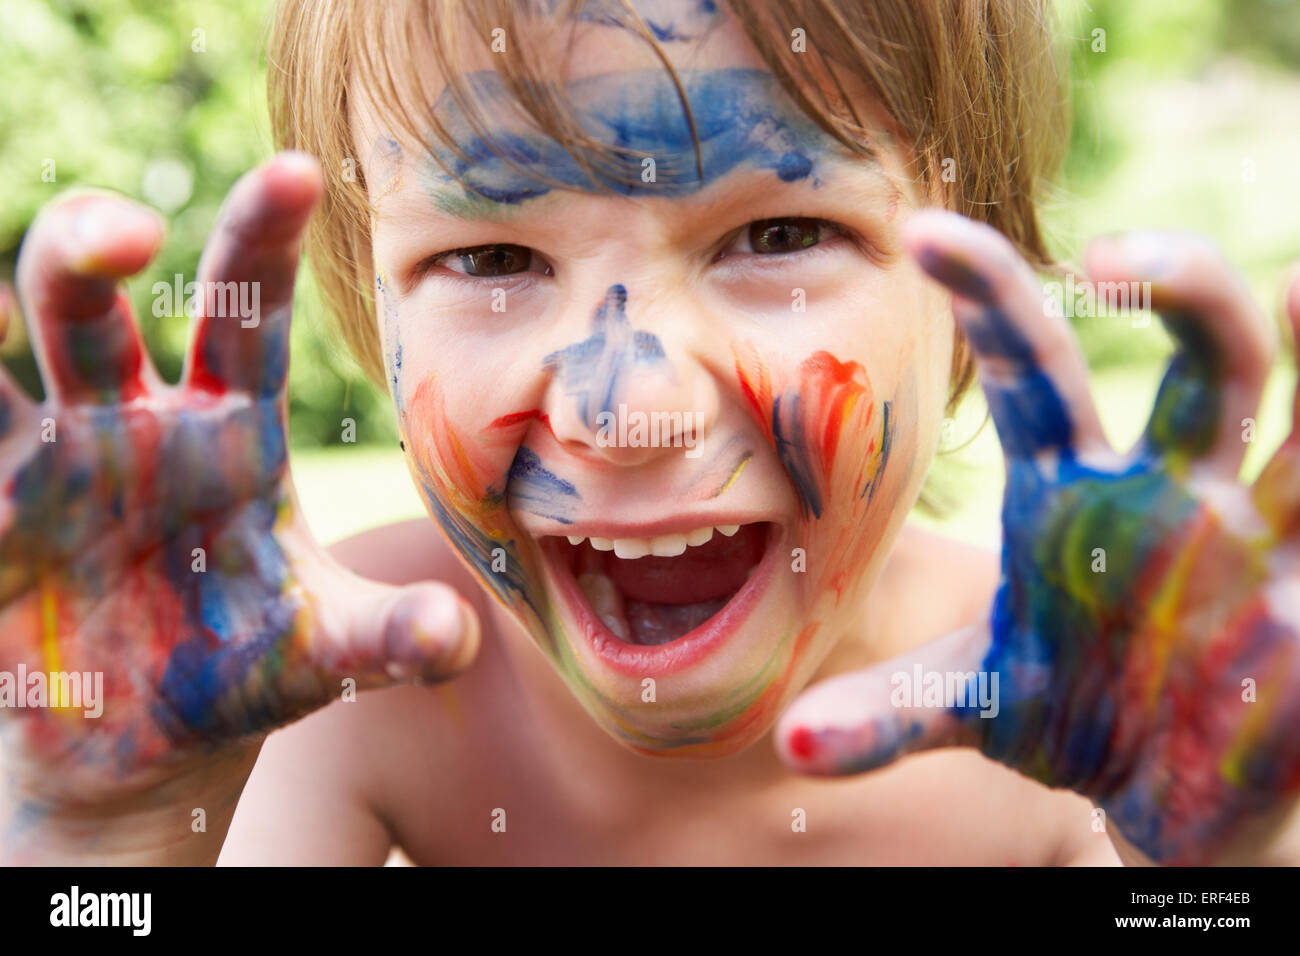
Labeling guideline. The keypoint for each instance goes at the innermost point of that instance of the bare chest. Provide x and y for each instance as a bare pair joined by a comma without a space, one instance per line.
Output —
946,808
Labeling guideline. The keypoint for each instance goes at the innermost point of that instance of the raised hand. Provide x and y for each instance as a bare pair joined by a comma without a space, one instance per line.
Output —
1163,680
149,533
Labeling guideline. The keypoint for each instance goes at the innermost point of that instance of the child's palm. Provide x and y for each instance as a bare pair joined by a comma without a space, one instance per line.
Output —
1144,637
149,532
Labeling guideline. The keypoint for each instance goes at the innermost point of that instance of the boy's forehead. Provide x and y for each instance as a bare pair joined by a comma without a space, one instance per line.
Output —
737,117
622,96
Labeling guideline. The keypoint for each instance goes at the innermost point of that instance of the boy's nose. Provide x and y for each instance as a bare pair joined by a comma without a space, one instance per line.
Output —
618,394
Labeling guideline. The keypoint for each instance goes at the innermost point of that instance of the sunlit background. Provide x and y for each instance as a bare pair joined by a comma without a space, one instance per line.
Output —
1186,116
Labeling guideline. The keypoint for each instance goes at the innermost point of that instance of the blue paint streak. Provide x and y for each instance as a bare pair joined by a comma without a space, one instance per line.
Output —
955,274
673,20
793,452
476,547
529,484
742,116
393,329
593,370
1030,415
205,670
213,595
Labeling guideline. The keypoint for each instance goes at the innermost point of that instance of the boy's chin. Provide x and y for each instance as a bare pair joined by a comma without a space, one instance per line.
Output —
654,740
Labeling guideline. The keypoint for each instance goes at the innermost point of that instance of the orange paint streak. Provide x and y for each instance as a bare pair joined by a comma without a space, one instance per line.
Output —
755,384
830,393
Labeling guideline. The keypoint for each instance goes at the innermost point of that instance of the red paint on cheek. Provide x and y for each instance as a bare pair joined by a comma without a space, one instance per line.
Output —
831,391
518,418
805,415
514,418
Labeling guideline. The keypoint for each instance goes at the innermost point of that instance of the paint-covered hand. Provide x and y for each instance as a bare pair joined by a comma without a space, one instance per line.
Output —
152,554
1143,647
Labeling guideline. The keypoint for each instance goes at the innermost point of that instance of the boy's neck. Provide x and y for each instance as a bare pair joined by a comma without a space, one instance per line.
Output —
558,718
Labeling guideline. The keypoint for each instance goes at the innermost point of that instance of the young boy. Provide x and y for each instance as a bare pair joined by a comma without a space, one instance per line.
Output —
653,292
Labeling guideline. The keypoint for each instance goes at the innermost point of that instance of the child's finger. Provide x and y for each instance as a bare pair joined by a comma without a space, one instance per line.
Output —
867,719
1030,366
381,634
1277,490
1225,346
246,276
83,331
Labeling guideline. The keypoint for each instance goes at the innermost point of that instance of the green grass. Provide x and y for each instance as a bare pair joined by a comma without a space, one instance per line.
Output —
347,489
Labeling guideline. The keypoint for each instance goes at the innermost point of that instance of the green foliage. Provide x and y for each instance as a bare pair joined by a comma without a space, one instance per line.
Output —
1187,120
166,103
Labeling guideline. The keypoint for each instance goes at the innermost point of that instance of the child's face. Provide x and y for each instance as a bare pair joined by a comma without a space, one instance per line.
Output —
748,349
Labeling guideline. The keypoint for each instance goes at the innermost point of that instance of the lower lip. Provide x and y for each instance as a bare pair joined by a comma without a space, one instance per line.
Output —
642,660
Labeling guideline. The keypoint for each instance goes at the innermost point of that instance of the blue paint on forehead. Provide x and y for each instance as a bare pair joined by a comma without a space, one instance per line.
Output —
742,118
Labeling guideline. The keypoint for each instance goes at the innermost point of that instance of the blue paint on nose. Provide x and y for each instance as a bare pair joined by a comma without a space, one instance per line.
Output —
594,369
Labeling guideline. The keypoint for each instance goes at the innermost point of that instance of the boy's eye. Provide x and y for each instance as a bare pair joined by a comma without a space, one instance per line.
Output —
775,237
784,235
491,262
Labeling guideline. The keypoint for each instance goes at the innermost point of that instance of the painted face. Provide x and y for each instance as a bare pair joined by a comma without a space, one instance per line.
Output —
672,407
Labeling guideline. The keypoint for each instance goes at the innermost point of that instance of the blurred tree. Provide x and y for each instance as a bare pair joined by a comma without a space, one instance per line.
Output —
165,103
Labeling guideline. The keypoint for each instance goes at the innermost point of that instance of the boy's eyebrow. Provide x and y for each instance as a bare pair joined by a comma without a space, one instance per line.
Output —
740,188
456,202
739,118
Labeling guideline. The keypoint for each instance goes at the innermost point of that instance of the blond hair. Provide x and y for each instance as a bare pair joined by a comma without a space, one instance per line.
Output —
974,88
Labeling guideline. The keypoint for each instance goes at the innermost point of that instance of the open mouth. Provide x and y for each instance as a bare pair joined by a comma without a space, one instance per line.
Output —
674,587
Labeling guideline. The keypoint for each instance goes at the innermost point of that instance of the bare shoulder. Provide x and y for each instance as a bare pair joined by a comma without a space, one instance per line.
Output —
967,574
931,585
402,553
956,806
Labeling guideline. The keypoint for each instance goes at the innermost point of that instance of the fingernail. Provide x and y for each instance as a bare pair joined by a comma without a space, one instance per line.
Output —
91,227
100,223
295,172
1146,254
399,671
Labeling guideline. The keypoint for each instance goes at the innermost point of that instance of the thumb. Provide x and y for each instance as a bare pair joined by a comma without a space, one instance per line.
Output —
870,718
380,634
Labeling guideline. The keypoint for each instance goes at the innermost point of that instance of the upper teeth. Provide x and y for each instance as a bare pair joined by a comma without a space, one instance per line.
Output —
665,545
